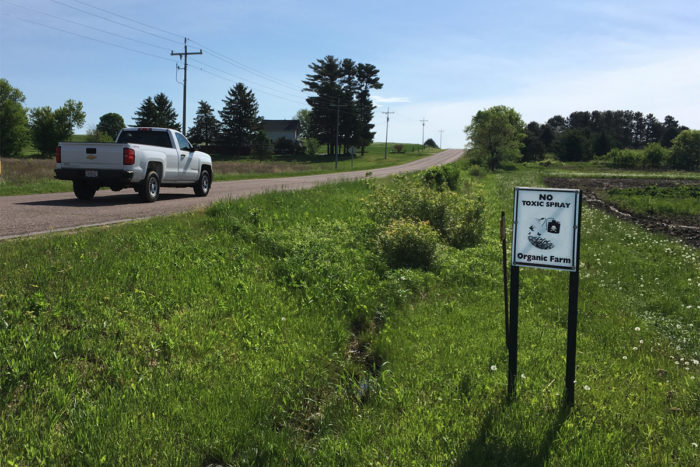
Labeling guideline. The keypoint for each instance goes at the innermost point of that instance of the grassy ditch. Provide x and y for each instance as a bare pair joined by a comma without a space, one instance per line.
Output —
277,333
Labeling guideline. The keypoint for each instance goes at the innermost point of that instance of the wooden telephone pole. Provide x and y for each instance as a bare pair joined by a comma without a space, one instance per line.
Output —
184,94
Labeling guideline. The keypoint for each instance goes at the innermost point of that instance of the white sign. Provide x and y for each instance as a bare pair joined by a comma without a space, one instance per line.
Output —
546,225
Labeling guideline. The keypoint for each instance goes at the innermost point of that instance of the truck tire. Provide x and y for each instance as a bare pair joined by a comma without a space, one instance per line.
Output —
150,189
201,188
83,190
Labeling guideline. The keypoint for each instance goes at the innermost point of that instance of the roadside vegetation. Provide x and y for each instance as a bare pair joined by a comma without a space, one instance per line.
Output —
356,323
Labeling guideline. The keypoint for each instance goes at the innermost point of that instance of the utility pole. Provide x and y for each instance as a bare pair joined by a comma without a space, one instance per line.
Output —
423,135
386,141
184,94
337,128
441,132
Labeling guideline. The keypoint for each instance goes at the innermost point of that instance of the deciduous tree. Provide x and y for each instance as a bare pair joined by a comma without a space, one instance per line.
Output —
111,124
495,136
49,127
13,120
685,150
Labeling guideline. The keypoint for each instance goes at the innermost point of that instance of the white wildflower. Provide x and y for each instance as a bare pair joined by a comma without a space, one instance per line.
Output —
493,368
637,329
587,387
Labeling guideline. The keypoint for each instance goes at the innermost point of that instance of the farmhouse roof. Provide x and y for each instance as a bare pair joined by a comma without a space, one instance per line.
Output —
281,125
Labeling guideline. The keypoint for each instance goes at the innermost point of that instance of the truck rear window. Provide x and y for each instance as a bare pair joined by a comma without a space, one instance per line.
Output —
154,138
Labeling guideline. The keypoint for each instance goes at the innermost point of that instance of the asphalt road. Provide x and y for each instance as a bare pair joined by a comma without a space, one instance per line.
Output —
38,214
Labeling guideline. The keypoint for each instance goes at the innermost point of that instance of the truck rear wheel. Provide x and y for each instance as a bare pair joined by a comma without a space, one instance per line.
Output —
83,190
201,188
150,189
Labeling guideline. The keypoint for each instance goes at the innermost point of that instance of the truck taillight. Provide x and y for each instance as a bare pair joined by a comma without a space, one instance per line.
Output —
129,156
58,154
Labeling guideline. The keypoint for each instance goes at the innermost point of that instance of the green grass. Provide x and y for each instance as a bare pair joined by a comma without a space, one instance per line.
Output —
275,335
31,175
680,200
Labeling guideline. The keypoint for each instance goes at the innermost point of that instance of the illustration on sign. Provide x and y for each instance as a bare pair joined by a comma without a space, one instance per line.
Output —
545,230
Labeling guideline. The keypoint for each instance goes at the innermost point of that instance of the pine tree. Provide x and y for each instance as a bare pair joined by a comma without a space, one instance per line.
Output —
157,111
347,84
206,126
240,122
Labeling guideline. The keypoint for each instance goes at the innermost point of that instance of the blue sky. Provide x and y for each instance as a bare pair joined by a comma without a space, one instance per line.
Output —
439,60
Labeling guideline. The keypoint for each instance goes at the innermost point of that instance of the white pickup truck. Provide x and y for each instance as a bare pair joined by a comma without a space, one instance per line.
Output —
141,158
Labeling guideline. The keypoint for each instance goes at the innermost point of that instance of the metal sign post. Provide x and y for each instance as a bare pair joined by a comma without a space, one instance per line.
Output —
546,235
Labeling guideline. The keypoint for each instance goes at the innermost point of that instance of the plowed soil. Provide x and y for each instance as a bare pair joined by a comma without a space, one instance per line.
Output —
686,228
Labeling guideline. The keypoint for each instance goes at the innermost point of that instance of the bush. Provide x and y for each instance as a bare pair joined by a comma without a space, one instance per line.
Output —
409,244
311,146
97,136
476,171
286,146
685,151
430,143
398,148
626,158
655,155
262,147
464,222
440,177
458,218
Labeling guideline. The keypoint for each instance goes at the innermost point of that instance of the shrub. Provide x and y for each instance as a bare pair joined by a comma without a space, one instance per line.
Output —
311,146
285,146
476,171
410,244
685,151
625,158
655,155
458,218
440,177
398,148
430,143
464,222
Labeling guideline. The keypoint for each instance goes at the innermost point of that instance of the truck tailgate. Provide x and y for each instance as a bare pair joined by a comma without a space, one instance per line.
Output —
92,155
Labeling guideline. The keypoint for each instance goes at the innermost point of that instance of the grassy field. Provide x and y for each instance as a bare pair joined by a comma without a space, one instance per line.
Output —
276,335
30,175
679,200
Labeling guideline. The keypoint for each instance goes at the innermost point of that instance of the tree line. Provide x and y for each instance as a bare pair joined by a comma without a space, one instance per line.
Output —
340,109
583,135
498,136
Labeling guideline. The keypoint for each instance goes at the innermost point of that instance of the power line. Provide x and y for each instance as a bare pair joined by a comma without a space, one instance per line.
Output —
113,21
127,18
83,25
240,78
93,39
249,69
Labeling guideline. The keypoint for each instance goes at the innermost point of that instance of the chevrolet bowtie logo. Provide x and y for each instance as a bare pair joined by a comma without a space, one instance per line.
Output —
91,156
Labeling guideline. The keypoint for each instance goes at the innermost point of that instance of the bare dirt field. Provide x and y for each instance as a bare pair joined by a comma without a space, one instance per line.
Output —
686,228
